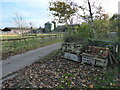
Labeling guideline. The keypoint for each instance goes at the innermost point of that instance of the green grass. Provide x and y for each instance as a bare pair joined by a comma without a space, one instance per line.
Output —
15,47
21,36
107,80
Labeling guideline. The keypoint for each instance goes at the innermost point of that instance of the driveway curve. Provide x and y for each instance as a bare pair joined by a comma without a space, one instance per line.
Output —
20,61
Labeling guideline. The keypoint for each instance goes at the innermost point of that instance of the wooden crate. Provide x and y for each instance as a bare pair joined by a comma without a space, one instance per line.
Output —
72,47
91,59
94,61
87,59
101,62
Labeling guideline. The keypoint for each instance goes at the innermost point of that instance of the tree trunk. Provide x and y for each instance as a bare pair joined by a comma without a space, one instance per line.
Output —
92,22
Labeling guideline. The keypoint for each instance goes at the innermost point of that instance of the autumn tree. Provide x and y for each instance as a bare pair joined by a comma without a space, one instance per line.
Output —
100,14
63,11
114,22
95,15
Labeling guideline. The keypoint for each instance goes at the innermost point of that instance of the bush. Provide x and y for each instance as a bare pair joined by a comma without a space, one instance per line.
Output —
75,37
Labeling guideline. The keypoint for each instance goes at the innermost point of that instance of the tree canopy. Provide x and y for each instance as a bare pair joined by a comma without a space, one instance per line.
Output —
63,11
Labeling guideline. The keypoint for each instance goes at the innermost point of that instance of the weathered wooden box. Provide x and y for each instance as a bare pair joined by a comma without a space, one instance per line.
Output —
73,57
72,47
101,62
97,56
94,61
88,60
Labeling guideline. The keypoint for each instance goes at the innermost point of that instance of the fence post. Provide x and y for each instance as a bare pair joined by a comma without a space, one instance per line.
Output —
41,39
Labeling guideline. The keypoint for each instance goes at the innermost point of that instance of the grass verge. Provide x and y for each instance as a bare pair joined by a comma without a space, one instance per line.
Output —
14,48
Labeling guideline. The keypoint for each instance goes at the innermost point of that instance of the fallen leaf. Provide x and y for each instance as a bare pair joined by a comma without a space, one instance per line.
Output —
91,86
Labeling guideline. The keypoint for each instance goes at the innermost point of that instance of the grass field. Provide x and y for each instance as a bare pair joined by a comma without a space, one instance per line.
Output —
12,47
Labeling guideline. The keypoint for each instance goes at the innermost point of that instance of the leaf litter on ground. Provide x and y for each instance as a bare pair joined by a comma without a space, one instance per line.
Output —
56,72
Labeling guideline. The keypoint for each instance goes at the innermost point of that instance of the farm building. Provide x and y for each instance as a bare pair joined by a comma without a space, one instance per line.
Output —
50,27
5,31
16,30
63,28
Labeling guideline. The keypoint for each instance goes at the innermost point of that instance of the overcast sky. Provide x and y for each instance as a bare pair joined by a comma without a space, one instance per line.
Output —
37,11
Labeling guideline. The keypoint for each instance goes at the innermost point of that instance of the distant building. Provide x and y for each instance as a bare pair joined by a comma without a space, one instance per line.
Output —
48,27
54,25
16,30
6,29
40,30
64,28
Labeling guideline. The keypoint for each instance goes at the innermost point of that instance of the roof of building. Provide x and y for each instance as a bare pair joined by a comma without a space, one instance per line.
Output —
18,28
6,29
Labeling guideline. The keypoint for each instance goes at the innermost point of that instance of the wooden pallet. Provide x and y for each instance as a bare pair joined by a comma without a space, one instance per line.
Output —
97,56
72,57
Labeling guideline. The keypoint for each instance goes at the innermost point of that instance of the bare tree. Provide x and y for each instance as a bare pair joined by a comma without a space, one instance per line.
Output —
19,21
31,25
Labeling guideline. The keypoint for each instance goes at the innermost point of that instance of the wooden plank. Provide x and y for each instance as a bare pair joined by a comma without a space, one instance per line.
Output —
86,58
111,62
113,57
100,62
72,57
